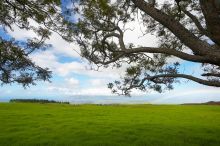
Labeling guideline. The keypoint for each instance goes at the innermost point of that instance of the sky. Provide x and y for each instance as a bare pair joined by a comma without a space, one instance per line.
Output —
74,81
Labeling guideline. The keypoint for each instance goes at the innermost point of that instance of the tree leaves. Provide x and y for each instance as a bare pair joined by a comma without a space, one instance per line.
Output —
15,64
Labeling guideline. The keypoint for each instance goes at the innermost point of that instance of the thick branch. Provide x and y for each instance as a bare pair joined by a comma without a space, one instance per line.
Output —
195,79
211,11
161,79
189,39
211,75
179,54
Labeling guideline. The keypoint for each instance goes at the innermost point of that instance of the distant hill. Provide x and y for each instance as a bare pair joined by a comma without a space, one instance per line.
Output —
206,103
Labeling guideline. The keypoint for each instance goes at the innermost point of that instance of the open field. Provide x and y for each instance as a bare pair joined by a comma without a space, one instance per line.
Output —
29,124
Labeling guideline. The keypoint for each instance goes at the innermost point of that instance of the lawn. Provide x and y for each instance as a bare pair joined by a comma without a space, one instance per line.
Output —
27,124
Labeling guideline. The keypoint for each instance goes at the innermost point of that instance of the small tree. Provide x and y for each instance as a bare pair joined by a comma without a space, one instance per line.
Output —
189,30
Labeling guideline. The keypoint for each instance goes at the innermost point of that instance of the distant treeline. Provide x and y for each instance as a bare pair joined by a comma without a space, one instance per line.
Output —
206,103
37,101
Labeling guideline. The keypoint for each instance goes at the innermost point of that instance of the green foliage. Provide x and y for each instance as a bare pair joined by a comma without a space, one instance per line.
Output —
100,33
41,16
111,125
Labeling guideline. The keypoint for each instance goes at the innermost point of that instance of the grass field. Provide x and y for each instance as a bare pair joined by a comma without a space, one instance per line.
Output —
114,125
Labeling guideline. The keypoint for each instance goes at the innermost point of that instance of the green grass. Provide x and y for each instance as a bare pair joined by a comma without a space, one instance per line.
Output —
27,124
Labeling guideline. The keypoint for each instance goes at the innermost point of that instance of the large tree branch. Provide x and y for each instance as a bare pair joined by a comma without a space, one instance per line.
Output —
195,79
185,36
211,11
164,78
179,54
211,74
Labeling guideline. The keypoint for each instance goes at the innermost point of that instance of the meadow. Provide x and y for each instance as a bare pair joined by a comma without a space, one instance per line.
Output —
34,124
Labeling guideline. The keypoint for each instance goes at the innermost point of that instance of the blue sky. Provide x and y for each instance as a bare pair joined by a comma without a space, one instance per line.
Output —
74,81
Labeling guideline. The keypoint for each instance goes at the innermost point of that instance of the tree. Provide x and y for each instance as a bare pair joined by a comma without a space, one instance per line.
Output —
189,30
15,64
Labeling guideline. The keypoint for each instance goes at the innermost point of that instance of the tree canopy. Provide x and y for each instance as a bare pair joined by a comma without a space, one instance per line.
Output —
15,63
186,29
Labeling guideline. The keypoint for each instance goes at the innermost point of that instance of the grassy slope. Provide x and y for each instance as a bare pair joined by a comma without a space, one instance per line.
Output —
53,124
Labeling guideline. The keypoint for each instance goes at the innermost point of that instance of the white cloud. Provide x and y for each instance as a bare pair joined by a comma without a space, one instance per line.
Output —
98,82
50,60
134,34
22,34
71,87
104,91
72,82
60,46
